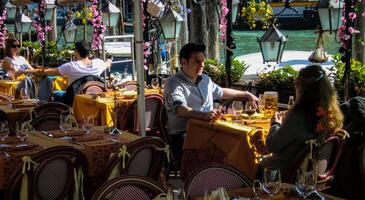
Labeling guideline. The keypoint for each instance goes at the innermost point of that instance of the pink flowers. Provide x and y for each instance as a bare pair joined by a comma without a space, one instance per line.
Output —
39,26
352,15
3,29
98,26
146,54
223,20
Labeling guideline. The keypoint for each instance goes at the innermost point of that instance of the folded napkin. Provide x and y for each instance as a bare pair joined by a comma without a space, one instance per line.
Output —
86,138
60,133
20,146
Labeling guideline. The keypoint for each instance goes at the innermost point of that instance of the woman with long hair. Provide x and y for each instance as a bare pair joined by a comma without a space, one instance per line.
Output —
13,62
287,136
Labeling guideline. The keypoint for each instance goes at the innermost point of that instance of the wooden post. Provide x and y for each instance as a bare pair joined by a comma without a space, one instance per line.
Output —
348,52
359,47
212,25
229,53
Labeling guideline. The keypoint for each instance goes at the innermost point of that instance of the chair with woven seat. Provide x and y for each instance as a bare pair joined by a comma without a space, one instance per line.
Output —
46,123
153,106
213,176
52,175
51,108
92,87
146,158
129,187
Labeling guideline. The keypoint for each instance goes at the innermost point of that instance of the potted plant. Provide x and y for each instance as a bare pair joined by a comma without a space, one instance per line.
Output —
257,11
280,80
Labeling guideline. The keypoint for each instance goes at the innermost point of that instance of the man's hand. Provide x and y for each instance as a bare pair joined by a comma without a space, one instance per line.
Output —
277,118
251,97
213,115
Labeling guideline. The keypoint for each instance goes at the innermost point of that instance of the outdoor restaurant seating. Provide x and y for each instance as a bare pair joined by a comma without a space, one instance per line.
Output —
51,175
50,108
213,176
142,157
129,85
129,187
46,123
92,87
27,83
153,107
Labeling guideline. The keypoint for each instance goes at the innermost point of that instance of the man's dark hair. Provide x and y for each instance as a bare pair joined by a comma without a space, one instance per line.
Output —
83,48
190,48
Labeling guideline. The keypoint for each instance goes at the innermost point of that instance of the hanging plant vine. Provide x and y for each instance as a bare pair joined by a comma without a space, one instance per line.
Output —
223,20
3,30
39,24
98,26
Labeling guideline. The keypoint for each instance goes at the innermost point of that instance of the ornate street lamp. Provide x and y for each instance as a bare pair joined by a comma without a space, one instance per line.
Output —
110,14
272,45
235,4
11,10
329,12
171,23
22,23
49,9
70,32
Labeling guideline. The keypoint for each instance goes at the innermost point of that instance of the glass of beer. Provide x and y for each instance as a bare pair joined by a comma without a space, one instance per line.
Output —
271,103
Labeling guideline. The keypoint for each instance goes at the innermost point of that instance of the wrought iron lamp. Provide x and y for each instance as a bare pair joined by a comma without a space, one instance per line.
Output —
272,45
49,9
11,10
235,4
110,14
329,12
22,23
171,23
70,32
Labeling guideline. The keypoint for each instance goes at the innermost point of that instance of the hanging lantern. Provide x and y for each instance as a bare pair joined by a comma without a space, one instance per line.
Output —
70,32
110,14
329,12
171,23
11,10
49,9
272,45
22,23
235,4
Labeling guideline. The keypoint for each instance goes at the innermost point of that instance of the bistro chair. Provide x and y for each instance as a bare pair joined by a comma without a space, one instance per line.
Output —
129,187
213,176
51,108
130,85
54,174
46,123
92,87
143,157
129,120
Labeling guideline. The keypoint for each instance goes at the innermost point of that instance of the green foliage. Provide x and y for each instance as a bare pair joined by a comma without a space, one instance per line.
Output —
357,76
217,71
281,79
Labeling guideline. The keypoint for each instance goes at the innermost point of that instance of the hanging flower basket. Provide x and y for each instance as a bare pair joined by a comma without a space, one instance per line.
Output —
319,54
254,12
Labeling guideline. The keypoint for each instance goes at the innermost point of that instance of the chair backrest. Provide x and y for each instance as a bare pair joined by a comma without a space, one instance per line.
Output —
163,125
51,108
129,187
92,87
46,123
146,159
213,176
130,85
53,176
153,107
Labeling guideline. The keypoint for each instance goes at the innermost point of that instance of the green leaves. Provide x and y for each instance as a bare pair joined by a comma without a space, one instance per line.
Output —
281,79
217,71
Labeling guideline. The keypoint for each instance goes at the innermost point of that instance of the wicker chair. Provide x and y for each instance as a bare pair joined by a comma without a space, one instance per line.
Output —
92,87
146,159
129,187
51,108
53,176
46,123
130,85
213,176
128,120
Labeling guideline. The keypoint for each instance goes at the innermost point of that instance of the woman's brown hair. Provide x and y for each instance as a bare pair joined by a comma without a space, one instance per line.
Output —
8,45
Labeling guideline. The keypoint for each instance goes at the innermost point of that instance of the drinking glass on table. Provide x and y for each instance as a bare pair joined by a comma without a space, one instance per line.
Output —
261,103
88,124
178,193
65,123
21,131
237,106
306,182
4,132
250,108
272,181
24,93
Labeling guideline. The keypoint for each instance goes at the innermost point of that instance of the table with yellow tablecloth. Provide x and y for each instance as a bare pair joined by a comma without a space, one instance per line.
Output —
222,142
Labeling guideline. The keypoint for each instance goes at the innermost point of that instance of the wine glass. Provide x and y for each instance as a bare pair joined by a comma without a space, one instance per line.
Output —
65,123
306,182
4,132
88,124
178,193
24,93
21,131
237,106
272,181
256,185
155,83
261,103
290,102
250,108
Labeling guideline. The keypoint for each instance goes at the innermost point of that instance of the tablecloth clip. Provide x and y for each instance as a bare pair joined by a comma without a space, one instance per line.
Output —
312,142
122,154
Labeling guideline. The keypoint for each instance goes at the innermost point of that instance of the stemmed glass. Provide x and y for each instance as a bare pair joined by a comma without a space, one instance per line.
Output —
306,182
21,131
178,193
272,181
24,93
88,124
155,83
237,106
261,103
250,108
65,123
4,132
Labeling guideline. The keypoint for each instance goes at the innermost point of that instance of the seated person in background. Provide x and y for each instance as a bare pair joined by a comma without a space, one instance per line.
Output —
287,137
13,62
190,94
